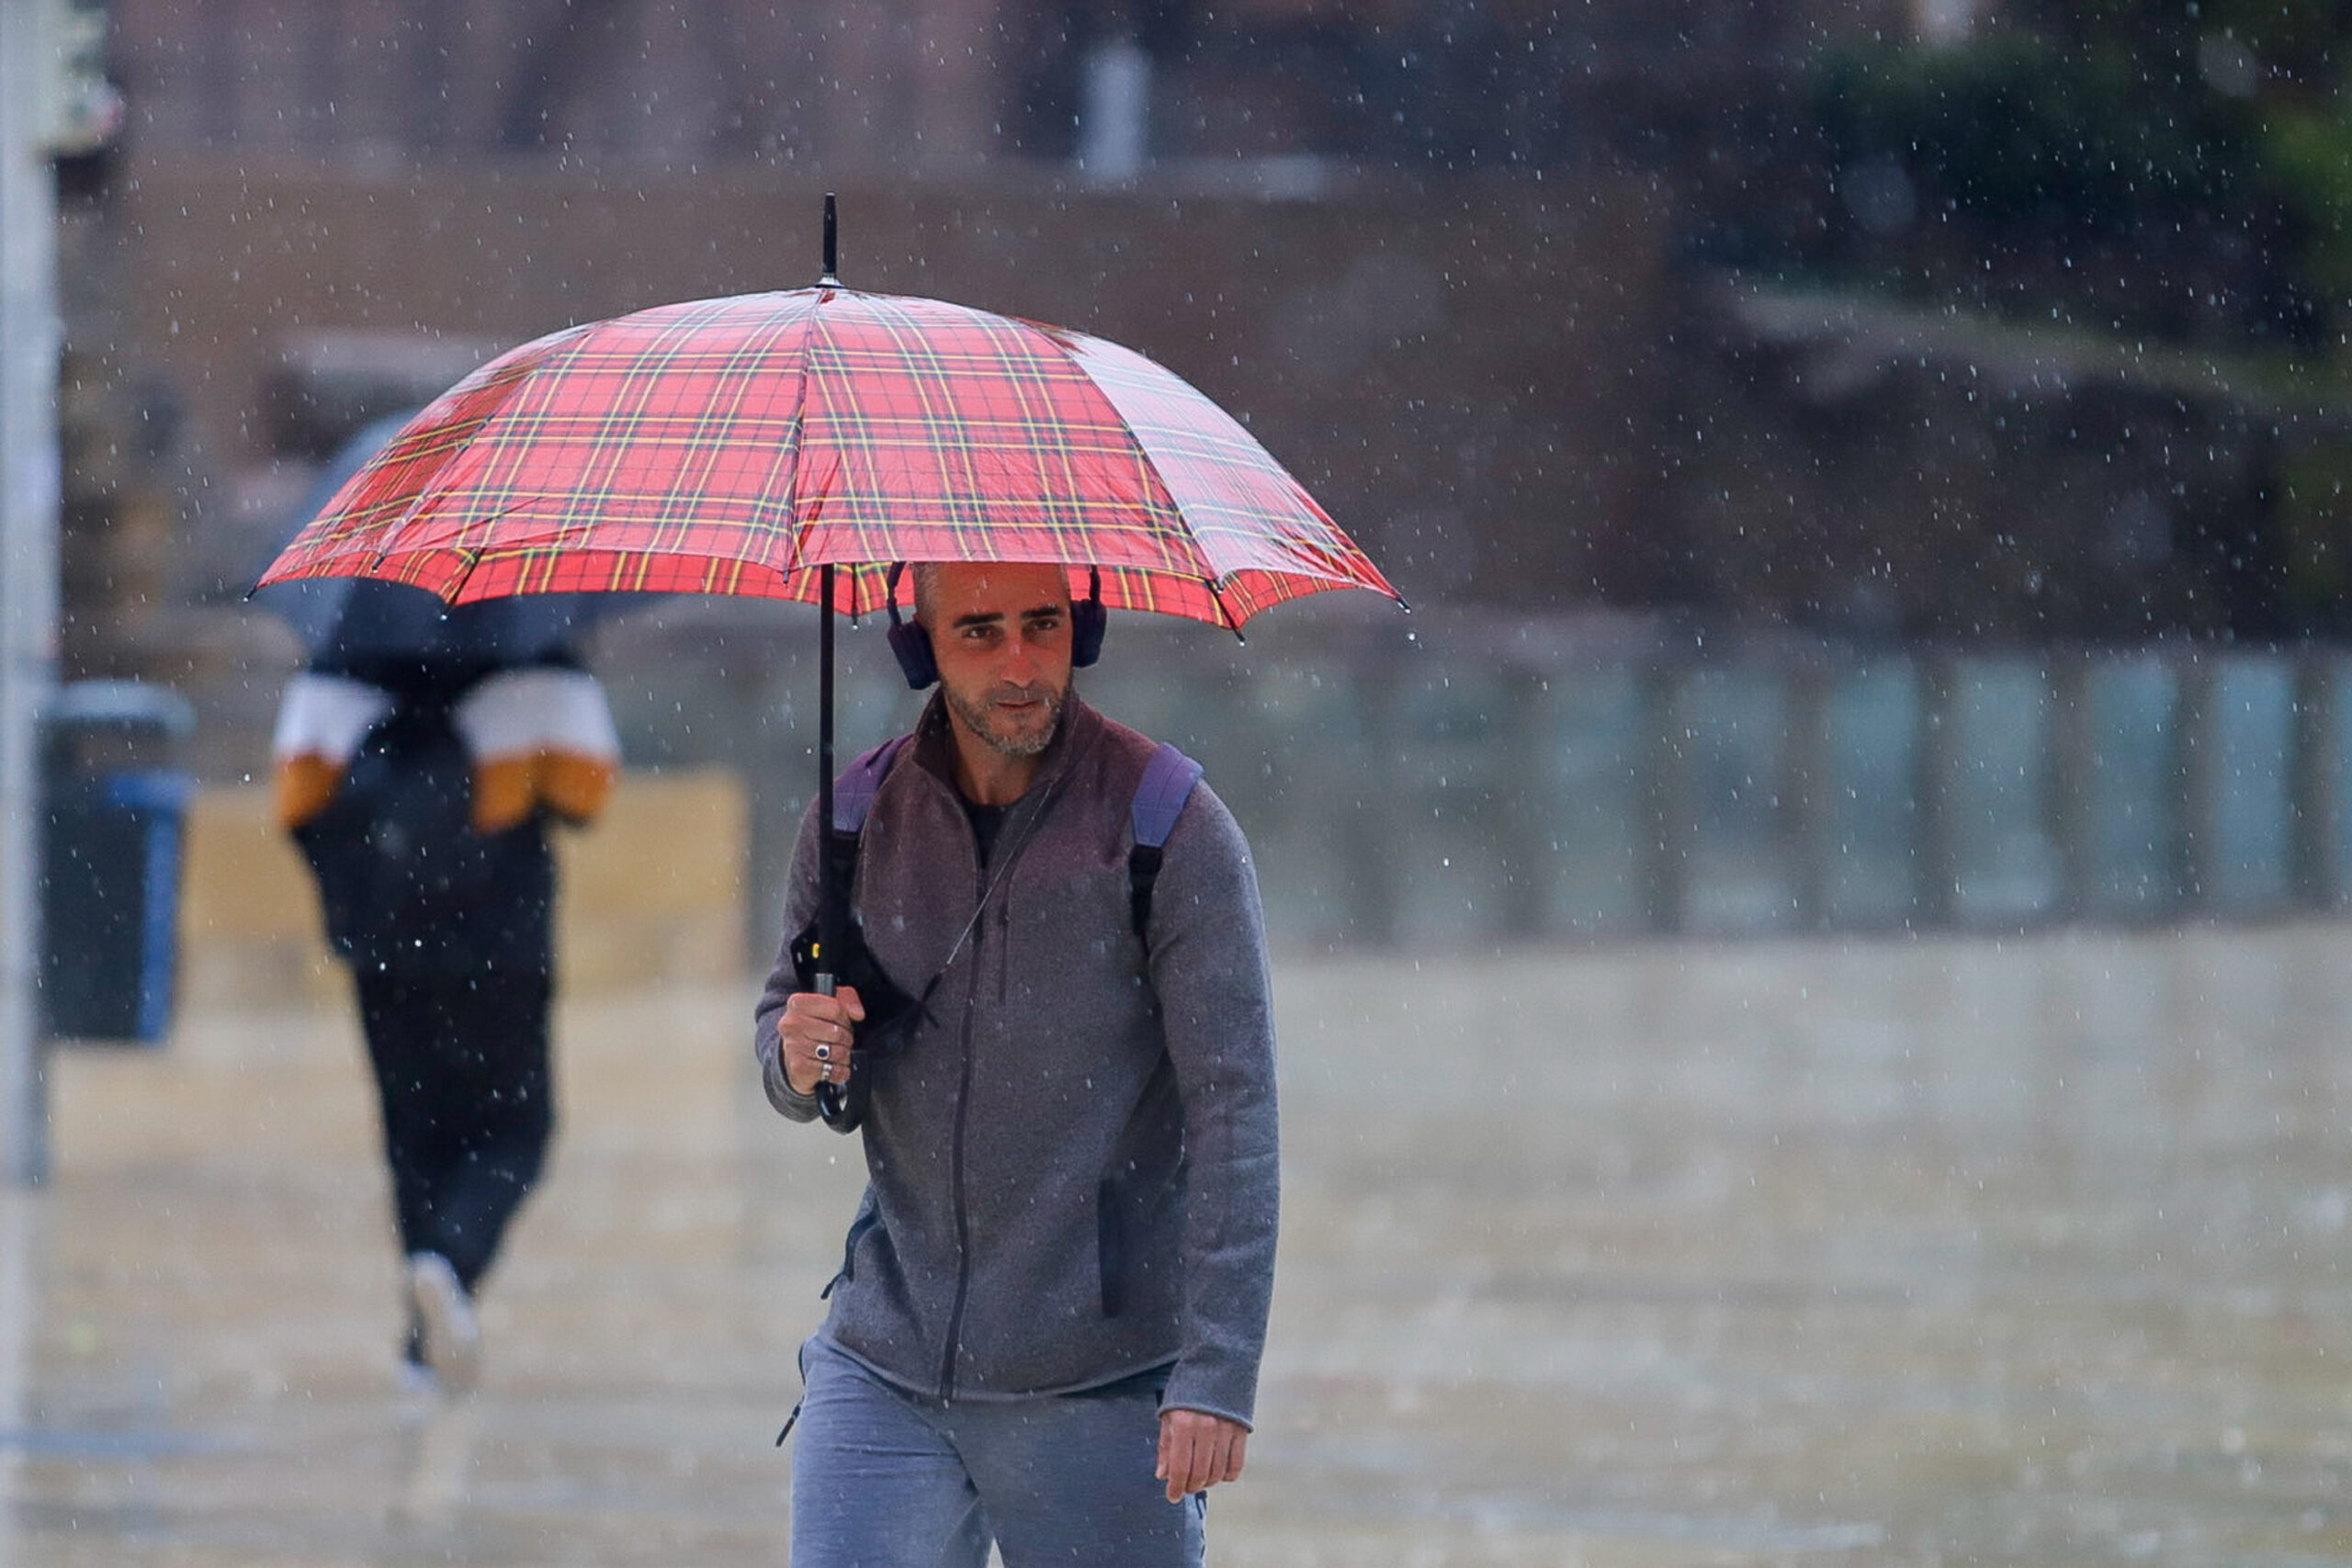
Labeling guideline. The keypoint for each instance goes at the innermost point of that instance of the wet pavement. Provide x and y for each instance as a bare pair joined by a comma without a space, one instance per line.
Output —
1889,1252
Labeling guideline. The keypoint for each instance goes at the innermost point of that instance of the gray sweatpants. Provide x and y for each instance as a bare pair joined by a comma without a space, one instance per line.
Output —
882,1478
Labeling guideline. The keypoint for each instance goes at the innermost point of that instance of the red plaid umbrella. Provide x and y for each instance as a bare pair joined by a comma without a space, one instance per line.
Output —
729,446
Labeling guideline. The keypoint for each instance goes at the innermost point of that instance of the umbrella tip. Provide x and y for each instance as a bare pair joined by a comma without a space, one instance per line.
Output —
829,276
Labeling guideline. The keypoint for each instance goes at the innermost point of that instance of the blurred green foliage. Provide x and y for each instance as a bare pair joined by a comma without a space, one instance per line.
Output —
2022,138
2312,515
2309,148
2210,144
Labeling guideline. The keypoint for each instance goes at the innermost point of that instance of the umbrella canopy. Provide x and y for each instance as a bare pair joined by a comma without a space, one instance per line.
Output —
361,625
729,446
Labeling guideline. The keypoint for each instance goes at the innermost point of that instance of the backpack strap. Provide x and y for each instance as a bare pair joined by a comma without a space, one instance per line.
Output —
854,793
1167,785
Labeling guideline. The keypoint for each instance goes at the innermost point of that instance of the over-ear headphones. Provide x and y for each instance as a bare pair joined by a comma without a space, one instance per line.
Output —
1087,619
911,641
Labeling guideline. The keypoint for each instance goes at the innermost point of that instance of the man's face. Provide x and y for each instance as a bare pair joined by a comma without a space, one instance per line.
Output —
1000,633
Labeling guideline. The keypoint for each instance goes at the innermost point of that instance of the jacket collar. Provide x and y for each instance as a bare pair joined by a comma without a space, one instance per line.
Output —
1080,726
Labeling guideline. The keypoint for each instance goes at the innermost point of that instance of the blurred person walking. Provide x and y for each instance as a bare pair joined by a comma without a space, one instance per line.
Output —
420,792
1047,1327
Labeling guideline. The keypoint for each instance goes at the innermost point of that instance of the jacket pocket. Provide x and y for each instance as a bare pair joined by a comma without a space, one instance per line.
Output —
1111,1242
866,1221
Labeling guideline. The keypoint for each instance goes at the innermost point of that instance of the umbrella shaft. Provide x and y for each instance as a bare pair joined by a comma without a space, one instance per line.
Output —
831,920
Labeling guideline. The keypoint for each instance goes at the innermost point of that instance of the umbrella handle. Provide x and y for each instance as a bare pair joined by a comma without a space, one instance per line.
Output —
842,1106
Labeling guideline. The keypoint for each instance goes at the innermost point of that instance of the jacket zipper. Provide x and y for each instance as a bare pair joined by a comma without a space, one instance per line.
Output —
1004,949
1010,847
963,1221
956,1149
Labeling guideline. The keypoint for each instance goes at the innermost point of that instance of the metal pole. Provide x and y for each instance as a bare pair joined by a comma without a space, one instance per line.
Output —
1935,854
2194,857
1810,801
2073,781
1666,880
2316,796
30,341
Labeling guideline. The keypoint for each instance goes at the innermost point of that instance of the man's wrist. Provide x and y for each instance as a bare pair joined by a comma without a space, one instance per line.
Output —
780,1074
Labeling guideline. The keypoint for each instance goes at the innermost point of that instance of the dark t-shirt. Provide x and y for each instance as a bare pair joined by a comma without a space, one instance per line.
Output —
986,822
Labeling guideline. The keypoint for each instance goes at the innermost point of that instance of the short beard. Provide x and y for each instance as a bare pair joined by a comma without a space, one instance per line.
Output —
976,720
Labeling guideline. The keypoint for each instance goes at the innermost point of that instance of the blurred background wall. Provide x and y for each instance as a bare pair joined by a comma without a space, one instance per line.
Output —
1753,396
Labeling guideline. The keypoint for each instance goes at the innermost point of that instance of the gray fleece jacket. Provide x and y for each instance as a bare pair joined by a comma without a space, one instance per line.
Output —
1072,1159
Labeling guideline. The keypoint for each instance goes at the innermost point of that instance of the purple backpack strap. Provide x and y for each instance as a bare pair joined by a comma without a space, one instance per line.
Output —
853,791
1167,781
1167,785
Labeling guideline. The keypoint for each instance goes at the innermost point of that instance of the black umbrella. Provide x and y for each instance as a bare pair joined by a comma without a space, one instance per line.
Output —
364,627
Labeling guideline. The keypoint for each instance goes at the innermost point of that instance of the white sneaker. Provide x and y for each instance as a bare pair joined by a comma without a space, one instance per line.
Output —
446,1313
416,1379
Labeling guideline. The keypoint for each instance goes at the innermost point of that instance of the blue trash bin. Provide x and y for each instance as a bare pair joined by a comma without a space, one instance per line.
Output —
113,821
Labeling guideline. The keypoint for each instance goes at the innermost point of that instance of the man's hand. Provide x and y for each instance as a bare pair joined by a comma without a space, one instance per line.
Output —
814,1033
1198,1450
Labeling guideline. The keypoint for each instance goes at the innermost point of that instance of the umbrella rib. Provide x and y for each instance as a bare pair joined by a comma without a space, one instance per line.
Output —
466,561
793,439
1232,623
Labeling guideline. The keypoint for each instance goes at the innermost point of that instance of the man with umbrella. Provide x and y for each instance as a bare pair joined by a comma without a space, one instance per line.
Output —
1047,1327
1047,1324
